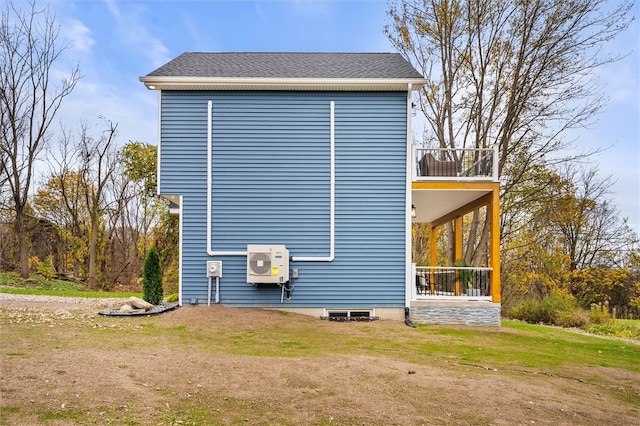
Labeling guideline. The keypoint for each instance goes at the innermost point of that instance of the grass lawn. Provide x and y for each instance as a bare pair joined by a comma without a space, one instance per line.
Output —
217,365
12,283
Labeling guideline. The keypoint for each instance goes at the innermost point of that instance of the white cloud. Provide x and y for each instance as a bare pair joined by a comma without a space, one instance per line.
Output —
113,8
133,33
78,35
130,106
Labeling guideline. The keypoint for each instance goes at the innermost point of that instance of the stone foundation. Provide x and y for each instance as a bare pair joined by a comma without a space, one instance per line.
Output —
477,313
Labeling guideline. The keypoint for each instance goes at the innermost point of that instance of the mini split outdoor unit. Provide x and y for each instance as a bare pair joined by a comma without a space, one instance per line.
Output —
267,264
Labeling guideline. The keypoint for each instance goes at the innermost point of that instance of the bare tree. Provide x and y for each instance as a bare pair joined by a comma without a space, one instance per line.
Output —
97,161
29,101
516,74
588,226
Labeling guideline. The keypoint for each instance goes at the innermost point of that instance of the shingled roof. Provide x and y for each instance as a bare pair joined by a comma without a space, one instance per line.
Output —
277,71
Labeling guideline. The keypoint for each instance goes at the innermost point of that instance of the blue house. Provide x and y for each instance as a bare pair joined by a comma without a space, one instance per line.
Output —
297,182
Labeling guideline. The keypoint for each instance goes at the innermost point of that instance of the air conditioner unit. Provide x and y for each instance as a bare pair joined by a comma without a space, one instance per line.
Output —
267,264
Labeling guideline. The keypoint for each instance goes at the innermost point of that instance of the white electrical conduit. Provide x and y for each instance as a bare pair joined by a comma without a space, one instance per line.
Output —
332,197
217,291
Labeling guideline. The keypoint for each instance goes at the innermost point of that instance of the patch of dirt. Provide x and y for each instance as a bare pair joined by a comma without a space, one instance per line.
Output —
63,364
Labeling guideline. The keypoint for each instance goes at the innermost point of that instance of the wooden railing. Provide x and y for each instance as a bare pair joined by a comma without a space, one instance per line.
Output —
456,164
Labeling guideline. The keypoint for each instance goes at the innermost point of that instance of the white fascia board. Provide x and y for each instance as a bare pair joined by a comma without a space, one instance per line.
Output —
200,83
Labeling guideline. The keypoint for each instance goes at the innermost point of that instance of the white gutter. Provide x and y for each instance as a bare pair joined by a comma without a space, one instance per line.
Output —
200,83
332,184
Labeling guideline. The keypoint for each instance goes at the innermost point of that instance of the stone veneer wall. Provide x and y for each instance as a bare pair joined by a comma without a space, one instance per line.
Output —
479,313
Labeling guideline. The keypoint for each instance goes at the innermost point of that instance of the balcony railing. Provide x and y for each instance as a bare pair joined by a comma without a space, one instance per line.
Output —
456,164
452,282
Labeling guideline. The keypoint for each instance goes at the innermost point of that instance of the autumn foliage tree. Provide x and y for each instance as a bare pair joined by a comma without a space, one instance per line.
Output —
516,74
570,239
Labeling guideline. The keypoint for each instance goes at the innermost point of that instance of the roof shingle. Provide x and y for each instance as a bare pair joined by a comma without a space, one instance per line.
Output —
289,65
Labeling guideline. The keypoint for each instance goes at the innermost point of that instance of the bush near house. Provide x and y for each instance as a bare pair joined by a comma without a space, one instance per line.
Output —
152,278
562,309
558,308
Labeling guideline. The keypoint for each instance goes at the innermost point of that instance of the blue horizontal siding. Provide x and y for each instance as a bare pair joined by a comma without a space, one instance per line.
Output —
271,186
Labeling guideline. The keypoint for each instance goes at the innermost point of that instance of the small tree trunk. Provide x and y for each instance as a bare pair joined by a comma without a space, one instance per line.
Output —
23,244
91,281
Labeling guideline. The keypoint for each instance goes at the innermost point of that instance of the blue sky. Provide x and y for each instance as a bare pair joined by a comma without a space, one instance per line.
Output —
117,41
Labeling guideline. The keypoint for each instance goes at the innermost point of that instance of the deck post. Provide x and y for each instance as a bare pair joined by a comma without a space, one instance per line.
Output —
433,258
457,246
494,247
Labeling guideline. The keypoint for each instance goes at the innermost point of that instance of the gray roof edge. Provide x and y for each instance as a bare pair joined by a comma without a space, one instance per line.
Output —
288,65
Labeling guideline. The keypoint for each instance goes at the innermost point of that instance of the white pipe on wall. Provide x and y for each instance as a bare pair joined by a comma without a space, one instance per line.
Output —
332,185
210,250
408,202
332,196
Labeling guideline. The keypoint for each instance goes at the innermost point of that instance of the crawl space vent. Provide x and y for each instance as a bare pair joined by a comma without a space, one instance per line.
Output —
349,315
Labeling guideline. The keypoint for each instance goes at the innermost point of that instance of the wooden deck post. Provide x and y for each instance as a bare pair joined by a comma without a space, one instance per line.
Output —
494,246
433,258
457,246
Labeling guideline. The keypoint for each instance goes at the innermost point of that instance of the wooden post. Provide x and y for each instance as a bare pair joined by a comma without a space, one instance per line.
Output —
457,247
433,258
494,247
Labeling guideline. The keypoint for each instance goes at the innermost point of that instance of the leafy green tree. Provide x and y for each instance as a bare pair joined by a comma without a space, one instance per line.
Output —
139,162
152,277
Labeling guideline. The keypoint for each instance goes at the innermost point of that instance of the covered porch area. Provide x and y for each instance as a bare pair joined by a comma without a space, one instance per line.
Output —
455,293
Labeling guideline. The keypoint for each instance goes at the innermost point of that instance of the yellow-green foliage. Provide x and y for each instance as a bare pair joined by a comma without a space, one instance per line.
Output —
599,313
170,278
46,268
170,298
558,308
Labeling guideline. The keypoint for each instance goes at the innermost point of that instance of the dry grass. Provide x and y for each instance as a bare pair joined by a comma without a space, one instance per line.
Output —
197,365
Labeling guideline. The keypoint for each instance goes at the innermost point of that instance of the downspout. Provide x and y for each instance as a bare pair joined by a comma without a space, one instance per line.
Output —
180,233
407,210
159,149
332,184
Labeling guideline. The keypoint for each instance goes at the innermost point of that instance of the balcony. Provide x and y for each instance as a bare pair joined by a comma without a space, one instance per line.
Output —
444,164
448,184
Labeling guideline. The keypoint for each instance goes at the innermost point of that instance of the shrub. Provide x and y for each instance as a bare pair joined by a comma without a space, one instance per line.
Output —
173,297
170,278
531,311
599,313
575,318
557,308
611,328
152,278
46,268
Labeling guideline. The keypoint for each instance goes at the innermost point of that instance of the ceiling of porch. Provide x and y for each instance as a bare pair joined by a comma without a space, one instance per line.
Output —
434,203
